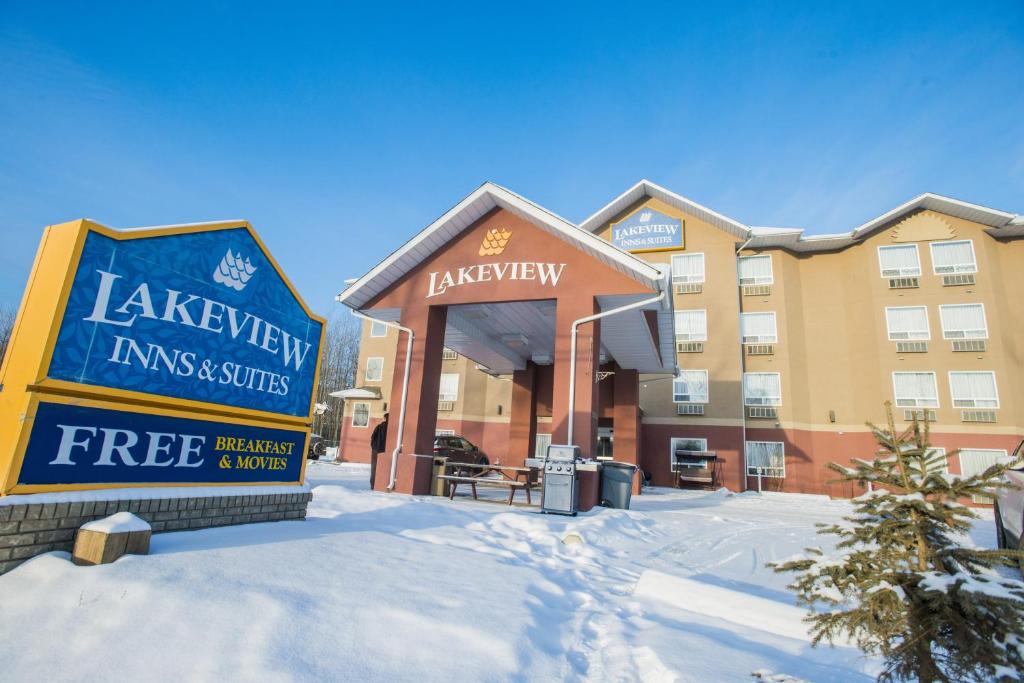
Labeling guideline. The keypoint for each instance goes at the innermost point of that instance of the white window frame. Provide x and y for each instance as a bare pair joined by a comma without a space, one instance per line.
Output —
760,339
915,401
1003,455
383,329
762,400
746,460
758,280
974,402
707,384
448,397
538,451
694,337
689,279
900,272
959,268
355,407
940,450
672,448
366,372
963,334
927,324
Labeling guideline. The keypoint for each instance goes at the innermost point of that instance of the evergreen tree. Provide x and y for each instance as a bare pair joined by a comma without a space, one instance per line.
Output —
903,582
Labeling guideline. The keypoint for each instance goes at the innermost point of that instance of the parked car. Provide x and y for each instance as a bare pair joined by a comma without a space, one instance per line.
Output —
458,449
317,447
1009,509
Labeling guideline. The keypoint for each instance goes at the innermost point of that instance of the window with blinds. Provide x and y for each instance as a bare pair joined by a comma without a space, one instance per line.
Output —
758,328
976,460
541,443
762,389
690,387
963,321
374,369
907,323
688,268
953,257
692,325
755,270
915,389
449,387
974,389
766,458
900,260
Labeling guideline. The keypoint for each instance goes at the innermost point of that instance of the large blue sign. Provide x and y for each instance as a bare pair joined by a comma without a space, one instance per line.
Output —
648,230
80,445
201,316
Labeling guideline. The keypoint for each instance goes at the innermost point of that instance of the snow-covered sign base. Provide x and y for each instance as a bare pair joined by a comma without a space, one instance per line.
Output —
104,540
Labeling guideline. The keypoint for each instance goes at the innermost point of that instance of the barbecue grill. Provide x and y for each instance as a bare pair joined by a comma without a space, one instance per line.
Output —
560,492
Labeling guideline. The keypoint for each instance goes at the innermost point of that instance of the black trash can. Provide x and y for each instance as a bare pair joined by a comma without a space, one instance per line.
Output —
617,484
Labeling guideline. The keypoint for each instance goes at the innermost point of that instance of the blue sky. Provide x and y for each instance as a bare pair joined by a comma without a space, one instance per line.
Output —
339,131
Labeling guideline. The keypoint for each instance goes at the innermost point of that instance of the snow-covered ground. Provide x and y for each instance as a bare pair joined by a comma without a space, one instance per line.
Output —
385,587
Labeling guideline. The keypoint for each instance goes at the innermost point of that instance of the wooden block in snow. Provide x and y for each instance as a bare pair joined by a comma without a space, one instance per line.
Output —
105,540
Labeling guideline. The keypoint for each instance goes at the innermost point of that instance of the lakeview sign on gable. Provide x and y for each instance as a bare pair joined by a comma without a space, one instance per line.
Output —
648,230
176,355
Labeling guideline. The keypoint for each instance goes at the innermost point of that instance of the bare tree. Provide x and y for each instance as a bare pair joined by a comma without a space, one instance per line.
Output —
8,313
338,362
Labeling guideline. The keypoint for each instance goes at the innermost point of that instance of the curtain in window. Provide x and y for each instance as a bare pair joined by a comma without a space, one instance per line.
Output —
915,389
953,257
692,325
963,321
361,414
977,460
449,388
907,323
762,389
755,270
902,260
973,389
374,369
691,387
766,456
758,327
540,449
688,267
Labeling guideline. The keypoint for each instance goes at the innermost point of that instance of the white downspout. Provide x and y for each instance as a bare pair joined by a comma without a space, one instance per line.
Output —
743,407
405,392
572,348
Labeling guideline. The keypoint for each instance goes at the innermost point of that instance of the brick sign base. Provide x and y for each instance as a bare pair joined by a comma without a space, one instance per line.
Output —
27,530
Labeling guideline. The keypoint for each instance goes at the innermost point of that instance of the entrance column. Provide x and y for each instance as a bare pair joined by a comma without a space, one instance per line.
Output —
588,352
522,428
416,460
626,419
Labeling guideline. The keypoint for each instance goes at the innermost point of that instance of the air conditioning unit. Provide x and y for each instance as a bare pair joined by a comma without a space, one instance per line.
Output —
958,280
448,354
760,349
978,415
689,409
762,412
922,415
969,345
445,406
911,347
689,347
757,290
904,282
689,287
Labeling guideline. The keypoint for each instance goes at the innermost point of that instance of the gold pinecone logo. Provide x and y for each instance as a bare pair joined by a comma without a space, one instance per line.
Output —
495,241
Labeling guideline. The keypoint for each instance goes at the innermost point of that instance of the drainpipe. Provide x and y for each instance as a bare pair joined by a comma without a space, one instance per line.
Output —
405,392
743,408
572,354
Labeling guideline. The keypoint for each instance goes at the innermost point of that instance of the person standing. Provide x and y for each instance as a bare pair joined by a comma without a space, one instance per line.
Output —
378,442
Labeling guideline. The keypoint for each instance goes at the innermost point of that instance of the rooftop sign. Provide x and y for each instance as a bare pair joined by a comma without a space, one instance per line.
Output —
648,230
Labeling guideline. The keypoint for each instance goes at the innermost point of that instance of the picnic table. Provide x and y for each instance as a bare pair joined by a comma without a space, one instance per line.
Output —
512,477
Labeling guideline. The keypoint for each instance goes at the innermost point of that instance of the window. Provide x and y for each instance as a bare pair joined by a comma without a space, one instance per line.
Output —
937,462
755,270
378,329
767,458
762,389
684,444
976,460
758,328
540,448
690,387
974,389
688,268
963,321
444,432
953,257
899,260
915,389
907,322
374,369
692,325
449,389
360,414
